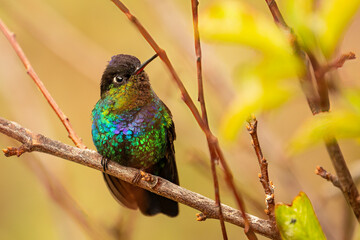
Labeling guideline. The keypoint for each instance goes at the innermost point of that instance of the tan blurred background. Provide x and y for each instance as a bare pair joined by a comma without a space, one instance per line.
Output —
69,44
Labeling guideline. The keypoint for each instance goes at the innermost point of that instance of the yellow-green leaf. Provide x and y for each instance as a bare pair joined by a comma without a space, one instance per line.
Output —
298,221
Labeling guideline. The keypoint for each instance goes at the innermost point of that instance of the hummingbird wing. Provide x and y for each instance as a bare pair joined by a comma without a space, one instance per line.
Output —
169,172
121,191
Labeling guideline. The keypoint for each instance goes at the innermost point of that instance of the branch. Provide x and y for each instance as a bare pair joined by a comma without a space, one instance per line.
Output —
337,63
347,184
11,37
264,175
328,176
307,86
322,104
37,142
213,142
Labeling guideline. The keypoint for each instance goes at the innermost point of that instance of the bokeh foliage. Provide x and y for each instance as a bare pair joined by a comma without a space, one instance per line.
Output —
267,80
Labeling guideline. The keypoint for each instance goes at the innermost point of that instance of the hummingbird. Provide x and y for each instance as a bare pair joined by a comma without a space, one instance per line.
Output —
133,127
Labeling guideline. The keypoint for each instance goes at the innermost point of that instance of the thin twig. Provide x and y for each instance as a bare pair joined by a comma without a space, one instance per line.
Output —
201,99
264,175
11,37
337,63
212,140
37,142
328,176
321,103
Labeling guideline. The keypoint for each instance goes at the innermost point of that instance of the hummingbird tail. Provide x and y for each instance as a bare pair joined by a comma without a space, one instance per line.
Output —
134,197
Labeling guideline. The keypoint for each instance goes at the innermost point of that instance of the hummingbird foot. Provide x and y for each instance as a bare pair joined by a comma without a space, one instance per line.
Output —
104,163
141,175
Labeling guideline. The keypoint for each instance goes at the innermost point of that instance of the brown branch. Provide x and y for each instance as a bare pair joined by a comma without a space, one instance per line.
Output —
11,38
347,184
201,99
212,140
328,176
264,175
90,158
322,87
321,103
278,18
307,85
337,63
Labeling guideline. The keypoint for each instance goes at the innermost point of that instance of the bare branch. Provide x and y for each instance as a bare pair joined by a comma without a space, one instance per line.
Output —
11,37
347,184
328,176
335,64
90,158
264,175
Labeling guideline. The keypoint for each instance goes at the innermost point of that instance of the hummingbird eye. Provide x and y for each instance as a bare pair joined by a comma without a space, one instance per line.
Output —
118,79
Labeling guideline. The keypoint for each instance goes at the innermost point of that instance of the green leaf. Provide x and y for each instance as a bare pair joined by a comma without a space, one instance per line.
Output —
335,16
298,221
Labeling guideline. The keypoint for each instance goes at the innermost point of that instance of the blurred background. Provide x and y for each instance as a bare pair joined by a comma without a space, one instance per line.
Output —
69,44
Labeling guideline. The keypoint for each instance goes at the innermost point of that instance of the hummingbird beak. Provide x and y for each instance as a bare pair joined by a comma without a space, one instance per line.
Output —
142,66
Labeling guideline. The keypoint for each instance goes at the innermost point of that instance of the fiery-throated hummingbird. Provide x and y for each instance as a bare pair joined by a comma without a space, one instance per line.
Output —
133,127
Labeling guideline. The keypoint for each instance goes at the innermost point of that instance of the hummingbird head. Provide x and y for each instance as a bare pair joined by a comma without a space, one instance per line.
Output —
125,71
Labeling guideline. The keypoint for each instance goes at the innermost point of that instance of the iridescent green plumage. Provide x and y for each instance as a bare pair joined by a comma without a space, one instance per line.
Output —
133,127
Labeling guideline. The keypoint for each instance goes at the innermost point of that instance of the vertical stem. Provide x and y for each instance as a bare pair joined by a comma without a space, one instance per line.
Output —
201,99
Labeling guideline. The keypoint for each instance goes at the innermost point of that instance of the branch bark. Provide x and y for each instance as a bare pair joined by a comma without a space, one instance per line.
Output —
37,142
264,175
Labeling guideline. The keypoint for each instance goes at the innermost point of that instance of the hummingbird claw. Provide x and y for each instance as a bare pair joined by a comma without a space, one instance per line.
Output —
137,177
104,163
141,175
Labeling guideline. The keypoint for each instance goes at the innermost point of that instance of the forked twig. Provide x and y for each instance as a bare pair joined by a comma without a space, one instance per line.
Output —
328,176
337,63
